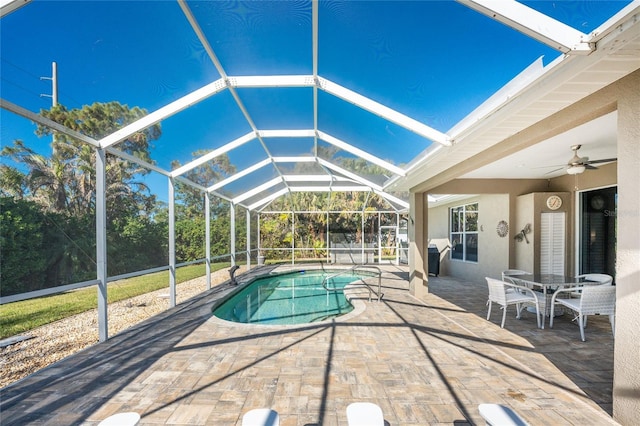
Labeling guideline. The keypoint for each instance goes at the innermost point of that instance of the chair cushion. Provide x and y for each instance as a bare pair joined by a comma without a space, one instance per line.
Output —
364,414
499,415
570,303
517,297
121,419
261,417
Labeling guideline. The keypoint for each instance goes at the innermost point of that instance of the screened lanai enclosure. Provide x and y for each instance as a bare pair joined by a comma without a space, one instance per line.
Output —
139,137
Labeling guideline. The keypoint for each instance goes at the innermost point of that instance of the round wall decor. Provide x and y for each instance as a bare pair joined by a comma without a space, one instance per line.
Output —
554,202
503,228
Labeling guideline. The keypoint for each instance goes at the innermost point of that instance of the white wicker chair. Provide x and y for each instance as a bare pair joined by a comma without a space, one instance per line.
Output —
513,273
595,299
498,293
507,276
511,276
594,278
599,278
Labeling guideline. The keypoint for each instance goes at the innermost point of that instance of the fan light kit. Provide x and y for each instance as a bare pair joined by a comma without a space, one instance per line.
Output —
576,170
579,164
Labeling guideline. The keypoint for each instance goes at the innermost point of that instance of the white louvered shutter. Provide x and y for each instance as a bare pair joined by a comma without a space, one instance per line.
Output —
552,243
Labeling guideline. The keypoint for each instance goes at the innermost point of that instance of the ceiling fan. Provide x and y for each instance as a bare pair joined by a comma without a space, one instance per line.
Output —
577,164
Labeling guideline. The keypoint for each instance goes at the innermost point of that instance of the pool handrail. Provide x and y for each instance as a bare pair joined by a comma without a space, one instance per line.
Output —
352,269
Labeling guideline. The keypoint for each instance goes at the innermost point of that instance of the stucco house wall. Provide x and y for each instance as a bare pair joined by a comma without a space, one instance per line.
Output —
493,250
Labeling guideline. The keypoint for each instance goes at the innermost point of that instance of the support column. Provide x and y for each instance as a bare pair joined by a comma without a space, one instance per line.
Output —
248,240
207,236
293,237
397,239
232,242
379,239
626,376
172,243
417,230
362,258
362,231
259,241
327,238
101,243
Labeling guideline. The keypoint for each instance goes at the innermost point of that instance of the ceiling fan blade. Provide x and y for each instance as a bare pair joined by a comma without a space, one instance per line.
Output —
546,167
555,170
604,160
590,167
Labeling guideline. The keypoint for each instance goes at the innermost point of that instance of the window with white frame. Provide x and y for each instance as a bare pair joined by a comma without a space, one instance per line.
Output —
463,233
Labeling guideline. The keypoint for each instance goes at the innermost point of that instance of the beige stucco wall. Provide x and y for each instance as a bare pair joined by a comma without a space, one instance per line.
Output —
493,250
524,215
529,209
626,380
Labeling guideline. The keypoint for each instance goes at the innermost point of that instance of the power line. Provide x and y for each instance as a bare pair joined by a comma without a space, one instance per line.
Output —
20,68
37,77
19,86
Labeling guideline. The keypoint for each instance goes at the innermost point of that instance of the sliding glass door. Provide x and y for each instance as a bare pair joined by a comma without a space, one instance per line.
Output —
598,231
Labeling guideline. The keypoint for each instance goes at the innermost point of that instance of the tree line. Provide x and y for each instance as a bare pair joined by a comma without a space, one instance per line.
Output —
47,206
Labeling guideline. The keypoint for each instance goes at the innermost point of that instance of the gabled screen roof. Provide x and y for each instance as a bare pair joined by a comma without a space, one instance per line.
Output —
339,94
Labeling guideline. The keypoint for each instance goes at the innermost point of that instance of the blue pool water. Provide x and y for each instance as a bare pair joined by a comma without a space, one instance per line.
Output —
293,298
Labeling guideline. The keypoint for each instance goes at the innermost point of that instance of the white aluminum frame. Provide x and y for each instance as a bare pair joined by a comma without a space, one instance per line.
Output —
8,6
534,24
515,15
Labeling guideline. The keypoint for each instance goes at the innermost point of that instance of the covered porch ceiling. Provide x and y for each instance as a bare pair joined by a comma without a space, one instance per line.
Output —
287,89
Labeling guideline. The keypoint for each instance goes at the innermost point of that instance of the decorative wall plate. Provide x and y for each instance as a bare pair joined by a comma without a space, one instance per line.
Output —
502,229
554,202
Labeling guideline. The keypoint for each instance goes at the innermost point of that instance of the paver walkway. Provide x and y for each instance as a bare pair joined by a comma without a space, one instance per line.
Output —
423,363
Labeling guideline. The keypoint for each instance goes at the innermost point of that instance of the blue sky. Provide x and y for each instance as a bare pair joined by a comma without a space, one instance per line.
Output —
432,60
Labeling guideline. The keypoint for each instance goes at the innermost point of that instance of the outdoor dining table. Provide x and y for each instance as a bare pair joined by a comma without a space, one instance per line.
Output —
546,282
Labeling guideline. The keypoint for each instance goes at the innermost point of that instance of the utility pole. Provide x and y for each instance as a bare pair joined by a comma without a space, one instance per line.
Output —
54,84
53,96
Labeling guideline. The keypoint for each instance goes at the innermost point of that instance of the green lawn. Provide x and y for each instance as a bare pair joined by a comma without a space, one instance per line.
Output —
20,317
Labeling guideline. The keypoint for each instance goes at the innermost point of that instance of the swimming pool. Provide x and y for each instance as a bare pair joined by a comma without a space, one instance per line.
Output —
291,298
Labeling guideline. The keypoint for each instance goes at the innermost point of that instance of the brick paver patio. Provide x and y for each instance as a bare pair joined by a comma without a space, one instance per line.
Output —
423,363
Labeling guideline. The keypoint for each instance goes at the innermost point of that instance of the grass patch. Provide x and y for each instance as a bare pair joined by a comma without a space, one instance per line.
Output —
20,317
